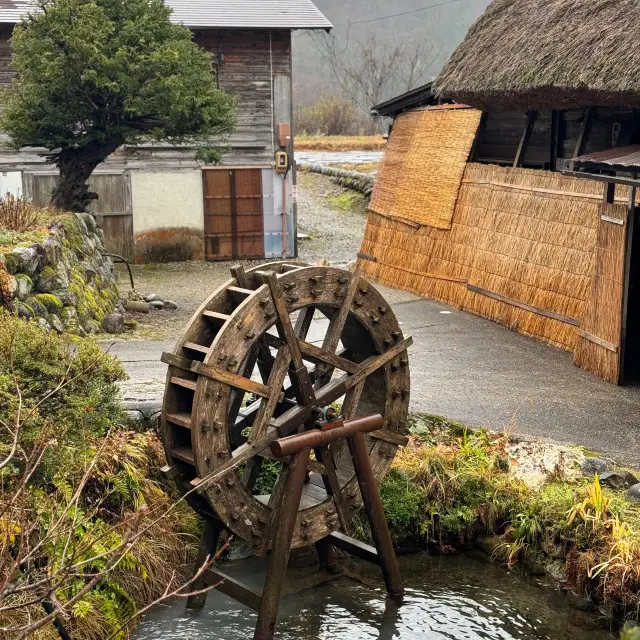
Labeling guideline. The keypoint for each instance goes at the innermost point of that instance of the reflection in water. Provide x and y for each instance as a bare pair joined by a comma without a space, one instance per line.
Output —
447,599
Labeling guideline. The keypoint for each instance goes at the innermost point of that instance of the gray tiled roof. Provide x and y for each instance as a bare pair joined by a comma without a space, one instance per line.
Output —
266,14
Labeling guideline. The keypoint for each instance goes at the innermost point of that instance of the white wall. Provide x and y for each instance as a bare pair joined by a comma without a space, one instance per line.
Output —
167,200
11,182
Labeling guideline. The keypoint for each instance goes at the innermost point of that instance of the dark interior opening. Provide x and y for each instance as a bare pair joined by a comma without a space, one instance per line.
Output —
631,361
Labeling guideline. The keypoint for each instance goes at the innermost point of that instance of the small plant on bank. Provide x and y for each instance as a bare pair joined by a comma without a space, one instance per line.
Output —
18,214
452,486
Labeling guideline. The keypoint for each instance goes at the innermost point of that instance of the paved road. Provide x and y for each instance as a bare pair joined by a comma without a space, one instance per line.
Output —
472,370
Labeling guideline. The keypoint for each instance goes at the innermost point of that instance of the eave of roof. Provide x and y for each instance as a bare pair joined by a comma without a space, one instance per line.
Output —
414,98
230,14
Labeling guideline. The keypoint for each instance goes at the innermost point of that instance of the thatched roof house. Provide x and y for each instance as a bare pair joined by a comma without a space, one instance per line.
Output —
519,203
561,54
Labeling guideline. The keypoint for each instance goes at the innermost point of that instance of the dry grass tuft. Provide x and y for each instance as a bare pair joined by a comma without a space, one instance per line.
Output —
339,143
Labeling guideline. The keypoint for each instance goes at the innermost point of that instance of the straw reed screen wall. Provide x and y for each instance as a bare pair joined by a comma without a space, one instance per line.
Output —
521,251
424,161
603,317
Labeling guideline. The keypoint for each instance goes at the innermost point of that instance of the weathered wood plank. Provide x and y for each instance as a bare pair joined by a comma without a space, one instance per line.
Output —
231,379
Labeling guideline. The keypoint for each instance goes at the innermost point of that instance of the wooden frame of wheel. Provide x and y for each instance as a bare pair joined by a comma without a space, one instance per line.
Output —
210,376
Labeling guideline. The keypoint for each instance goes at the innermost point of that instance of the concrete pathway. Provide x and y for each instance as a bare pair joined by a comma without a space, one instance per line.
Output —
472,370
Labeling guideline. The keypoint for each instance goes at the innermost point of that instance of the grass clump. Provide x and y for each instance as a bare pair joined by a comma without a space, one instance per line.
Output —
451,486
339,143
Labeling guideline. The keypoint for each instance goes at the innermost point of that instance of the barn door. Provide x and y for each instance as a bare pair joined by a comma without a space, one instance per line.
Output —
234,225
599,345
112,209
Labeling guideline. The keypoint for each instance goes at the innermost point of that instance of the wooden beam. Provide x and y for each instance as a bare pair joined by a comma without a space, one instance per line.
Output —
354,547
585,132
522,305
532,116
555,144
233,588
599,341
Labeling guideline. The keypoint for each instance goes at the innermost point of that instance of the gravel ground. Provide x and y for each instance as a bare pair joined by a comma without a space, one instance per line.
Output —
333,218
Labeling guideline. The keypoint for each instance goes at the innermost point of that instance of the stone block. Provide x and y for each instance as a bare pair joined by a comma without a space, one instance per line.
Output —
28,260
113,323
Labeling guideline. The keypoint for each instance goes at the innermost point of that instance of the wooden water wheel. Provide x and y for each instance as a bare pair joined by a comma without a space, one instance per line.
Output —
264,358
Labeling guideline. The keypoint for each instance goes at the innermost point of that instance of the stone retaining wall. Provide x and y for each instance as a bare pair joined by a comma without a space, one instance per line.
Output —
62,279
361,182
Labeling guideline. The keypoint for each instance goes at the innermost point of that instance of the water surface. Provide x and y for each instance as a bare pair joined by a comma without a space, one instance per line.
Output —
455,598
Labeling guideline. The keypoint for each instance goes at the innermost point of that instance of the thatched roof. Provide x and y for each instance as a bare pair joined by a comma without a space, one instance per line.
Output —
533,54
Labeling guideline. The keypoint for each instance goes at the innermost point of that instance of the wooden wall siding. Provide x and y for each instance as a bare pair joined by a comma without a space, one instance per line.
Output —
500,138
603,314
244,70
526,235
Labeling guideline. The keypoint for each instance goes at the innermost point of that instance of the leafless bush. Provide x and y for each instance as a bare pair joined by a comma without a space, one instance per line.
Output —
18,214
329,116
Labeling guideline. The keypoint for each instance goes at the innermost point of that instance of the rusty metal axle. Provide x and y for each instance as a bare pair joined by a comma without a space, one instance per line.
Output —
315,438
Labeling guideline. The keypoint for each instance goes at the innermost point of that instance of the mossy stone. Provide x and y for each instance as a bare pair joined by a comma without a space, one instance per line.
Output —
52,303
38,307
12,263
55,322
24,311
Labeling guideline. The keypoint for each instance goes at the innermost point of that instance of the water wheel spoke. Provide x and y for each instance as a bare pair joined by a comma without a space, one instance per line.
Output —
303,322
324,357
275,383
299,375
337,324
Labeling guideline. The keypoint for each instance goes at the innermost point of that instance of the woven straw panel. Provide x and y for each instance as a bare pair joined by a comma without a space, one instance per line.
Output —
524,234
420,176
603,317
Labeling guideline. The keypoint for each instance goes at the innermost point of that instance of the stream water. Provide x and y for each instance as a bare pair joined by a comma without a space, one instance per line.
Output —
457,598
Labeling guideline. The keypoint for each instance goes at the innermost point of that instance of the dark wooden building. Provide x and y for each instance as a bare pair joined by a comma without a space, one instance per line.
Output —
517,198
157,203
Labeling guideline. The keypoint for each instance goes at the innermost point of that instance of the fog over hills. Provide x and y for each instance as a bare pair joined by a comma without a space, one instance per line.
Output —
441,24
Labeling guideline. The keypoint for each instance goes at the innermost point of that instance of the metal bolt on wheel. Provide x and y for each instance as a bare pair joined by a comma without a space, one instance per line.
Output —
263,358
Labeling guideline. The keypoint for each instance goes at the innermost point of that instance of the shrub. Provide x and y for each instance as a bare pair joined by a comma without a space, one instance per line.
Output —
85,518
330,116
18,214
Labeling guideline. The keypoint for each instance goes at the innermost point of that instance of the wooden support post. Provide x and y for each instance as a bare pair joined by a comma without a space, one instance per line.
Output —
629,248
555,146
585,132
207,549
327,556
375,513
276,574
532,116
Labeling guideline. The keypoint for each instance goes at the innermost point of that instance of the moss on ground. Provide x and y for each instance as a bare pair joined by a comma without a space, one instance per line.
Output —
347,201
452,486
